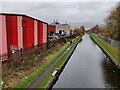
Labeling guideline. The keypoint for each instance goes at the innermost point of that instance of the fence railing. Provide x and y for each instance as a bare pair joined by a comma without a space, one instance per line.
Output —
110,41
20,54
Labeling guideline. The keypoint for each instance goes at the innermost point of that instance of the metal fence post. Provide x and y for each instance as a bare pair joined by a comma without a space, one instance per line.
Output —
21,54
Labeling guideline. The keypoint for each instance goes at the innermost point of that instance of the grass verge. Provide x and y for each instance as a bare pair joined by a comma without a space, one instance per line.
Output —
110,50
37,73
50,78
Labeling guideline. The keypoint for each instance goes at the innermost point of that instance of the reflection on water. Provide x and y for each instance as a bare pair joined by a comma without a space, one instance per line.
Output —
88,68
111,74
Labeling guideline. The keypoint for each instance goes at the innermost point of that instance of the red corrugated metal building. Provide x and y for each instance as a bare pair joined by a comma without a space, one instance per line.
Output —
51,29
28,32
20,31
42,35
3,37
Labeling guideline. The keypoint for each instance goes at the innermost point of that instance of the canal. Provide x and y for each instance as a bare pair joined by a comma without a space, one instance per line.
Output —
88,67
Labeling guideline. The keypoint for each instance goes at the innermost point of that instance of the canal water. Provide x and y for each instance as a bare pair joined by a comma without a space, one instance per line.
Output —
89,67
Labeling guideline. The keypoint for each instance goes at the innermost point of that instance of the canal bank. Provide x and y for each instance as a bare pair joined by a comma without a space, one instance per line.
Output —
38,72
50,80
111,52
88,67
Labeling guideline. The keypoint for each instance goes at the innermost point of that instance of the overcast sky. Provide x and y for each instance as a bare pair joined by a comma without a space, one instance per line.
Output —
75,13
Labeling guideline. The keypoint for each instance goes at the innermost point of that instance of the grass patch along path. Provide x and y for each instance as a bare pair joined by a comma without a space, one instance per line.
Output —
26,83
112,52
47,81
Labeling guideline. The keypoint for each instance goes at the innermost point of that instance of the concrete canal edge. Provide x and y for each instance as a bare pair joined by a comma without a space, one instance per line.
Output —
113,61
54,80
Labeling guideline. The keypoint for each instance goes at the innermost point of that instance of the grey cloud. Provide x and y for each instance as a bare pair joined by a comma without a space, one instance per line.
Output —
85,13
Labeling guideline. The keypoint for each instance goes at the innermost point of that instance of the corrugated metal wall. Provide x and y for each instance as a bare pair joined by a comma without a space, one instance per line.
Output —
28,32
40,32
12,34
17,31
51,28
35,33
44,33
3,36
20,32
14,31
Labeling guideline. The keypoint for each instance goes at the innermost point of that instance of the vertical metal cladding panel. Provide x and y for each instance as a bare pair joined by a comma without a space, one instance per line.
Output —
20,32
24,26
3,37
12,33
28,32
9,33
44,33
35,33
51,28
1,42
40,33
44,37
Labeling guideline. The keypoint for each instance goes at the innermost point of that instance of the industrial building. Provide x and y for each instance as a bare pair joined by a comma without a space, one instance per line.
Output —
60,29
20,31
51,29
63,29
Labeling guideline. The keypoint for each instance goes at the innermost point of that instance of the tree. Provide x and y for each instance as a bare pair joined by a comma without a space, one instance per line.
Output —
80,30
113,23
95,29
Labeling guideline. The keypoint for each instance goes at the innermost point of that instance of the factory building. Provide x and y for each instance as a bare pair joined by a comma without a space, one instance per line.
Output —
51,29
20,31
63,29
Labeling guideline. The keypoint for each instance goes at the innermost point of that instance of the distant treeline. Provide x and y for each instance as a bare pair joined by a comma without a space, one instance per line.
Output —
112,27
80,30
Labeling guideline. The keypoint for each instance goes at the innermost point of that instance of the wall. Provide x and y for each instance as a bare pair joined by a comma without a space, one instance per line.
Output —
12,34
14,31
3,36
40,33
68,29
51,28
35,33
20,32
44,33
28,32
64,27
